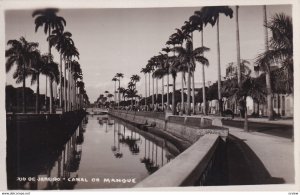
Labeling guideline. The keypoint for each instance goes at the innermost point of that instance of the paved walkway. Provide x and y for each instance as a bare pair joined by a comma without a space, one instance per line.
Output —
265,120
275,153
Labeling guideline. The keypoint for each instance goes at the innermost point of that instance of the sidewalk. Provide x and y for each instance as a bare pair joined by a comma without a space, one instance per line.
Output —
265,120
276,153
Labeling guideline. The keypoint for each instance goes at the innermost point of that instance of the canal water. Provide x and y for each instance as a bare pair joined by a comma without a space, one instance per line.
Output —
103,152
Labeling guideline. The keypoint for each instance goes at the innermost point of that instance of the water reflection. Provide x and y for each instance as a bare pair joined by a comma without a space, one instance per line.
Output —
101,147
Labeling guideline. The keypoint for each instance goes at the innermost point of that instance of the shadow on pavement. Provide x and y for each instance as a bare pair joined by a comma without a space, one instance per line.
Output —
244,166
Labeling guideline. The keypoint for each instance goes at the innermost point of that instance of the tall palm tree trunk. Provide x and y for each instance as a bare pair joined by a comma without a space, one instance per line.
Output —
162,93
75,94
168,99
119,96
50,80
173,97
65,88
23,94
268,72
145,89
69,89
115,93
238,60
189,91
46,93
219,69
203,81
153,101
60,82
37,100
156,95
51,95
182,95
149,81
193,93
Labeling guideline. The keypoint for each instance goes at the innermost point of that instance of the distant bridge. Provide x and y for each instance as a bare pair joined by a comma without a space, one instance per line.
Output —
97,111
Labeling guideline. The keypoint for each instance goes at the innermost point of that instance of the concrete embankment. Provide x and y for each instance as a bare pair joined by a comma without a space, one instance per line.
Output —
204,160
34,132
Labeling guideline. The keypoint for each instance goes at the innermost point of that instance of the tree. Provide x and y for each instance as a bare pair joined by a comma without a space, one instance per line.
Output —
135,78
211,15
60,40
122,90
146,70
70,51
167,67
160,72
50,21
119,76
77,74
187,57
20,52
115,80
38,67
178,38
173,70
197,20
280,51
151,65
52,72
239,92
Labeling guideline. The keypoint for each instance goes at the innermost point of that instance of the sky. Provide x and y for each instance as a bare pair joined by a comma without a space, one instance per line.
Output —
113,40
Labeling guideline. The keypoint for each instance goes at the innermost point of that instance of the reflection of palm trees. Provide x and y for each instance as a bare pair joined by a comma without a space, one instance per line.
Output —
80,137
114,148
149,164
131,142
118,153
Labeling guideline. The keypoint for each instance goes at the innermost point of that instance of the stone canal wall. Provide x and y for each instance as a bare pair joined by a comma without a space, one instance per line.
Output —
186,127
203,163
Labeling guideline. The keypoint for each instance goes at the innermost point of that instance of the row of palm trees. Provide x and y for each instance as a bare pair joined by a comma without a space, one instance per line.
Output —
183,59
179,56
130,92
31,63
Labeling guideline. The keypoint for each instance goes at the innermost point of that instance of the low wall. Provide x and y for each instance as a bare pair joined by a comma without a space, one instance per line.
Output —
203,163
200,168
186,127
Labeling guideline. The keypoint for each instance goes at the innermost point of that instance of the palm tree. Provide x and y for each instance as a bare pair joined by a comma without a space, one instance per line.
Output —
122,90
151,66
188,29
21,52
197,21
69,52
80,85
110,96
135,78
60,40
167,66
131,91
119,76
38,67
115,80
52,72
159,74
50,21
145,71
280,51
211,15
187,57
174,64
77,74
178,38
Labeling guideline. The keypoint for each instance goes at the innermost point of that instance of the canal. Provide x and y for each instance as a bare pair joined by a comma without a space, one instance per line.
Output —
103,152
